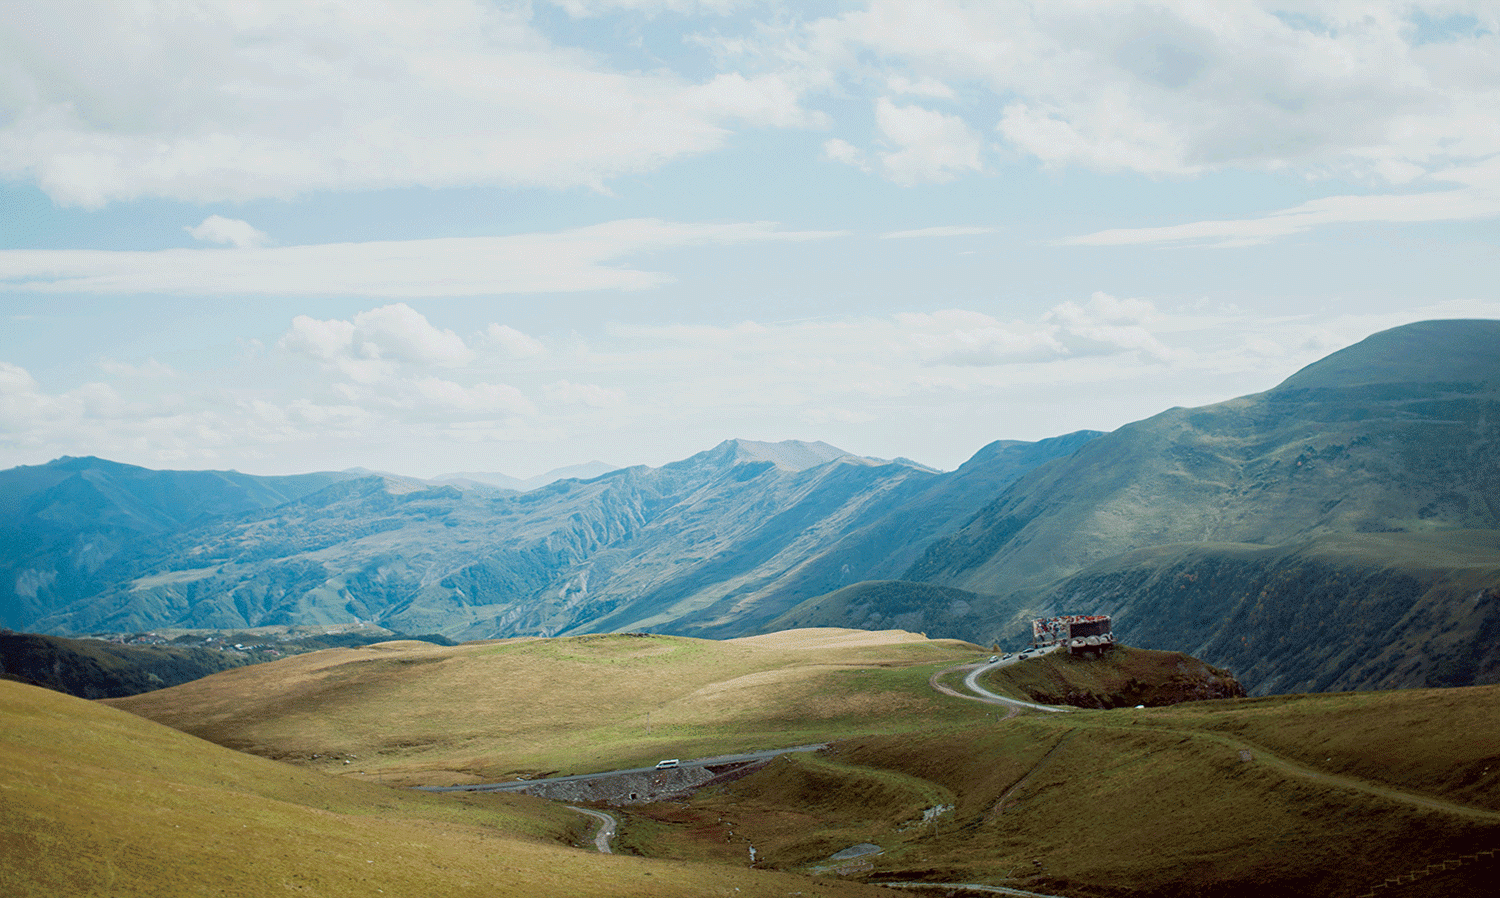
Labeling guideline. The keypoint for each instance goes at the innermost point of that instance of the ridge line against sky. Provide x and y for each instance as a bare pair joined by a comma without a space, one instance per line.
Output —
496,236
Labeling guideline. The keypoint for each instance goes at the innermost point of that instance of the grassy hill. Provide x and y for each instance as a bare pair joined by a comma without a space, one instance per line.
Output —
878,604
97,802
1123,677
1263,798
1283,796
418,714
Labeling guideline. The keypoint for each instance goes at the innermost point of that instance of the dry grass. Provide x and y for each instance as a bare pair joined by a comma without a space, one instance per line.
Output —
413,713
1154,802
1443,742
1082,806
97,802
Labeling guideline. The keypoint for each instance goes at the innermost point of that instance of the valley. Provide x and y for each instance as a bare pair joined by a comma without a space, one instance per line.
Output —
1286,795
1336,532
1327,548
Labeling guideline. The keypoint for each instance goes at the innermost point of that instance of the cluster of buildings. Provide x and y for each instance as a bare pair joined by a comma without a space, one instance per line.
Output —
1077,633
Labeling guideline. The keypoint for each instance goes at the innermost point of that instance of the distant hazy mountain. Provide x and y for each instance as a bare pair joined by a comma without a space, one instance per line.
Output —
1339,531
62,523
721,542
586,471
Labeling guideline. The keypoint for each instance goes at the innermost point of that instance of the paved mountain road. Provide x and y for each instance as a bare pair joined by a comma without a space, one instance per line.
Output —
981,694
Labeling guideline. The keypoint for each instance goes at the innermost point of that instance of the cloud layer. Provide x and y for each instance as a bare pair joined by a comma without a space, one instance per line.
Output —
203,101
557,262
391,387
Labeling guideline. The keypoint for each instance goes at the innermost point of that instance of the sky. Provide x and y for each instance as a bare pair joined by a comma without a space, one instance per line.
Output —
479,236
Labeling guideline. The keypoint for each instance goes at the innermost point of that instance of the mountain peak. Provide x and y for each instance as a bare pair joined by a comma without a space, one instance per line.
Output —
793,455
1447,351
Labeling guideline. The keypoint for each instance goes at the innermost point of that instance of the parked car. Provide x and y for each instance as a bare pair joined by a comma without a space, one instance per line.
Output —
994,658
668,764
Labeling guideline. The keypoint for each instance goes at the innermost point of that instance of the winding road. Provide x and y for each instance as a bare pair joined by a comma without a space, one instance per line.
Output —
517,785
981,694
606,828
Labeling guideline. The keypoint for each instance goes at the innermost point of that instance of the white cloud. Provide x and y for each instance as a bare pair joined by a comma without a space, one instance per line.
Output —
580,9
1350,90
514,343
367,346
401,332
203,101
845,152
480,398
940,231
934,147
233,231
562,261
767,100
324,340
925,86
1478,197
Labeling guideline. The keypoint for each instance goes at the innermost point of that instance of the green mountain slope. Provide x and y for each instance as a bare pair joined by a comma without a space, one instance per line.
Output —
1340,612
90,668
1397,434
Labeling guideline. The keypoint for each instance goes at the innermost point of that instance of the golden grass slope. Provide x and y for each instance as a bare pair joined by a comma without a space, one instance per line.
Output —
1156,802
417,714
97,802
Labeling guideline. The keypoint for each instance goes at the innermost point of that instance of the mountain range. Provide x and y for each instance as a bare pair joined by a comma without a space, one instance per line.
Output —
1341,530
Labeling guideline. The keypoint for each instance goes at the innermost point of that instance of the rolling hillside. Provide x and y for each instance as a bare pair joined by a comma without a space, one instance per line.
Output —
494,710
99,803
1274,798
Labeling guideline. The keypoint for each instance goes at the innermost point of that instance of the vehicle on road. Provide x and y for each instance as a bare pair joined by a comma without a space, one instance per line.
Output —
668,764
994,658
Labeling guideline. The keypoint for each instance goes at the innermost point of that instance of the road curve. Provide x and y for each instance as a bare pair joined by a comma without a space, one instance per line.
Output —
971,682
606,828
981,694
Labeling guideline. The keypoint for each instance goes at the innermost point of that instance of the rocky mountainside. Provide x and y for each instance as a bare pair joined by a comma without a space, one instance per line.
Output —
61,522
718,543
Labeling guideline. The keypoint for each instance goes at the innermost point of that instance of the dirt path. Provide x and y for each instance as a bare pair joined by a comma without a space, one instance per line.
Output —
950,887
606,828
1259,753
